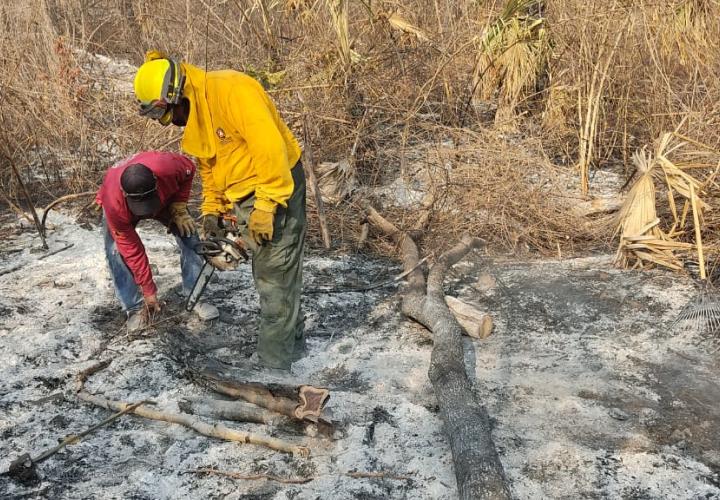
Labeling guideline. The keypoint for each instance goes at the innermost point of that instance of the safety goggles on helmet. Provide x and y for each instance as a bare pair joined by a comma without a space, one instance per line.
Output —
156,109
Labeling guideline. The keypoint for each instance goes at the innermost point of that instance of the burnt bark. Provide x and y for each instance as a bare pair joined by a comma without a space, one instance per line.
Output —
478,469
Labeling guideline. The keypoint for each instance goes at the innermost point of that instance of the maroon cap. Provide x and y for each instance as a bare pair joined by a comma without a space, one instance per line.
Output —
140,188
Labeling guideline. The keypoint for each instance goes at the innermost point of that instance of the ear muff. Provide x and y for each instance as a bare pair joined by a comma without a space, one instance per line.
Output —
174,82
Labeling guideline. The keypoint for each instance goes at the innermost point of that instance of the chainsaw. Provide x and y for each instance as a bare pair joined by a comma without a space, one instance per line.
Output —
219,253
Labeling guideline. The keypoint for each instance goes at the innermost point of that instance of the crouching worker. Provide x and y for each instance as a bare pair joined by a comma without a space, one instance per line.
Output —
148,185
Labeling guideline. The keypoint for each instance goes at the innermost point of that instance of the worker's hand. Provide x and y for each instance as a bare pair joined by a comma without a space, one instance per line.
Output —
260,225
152,304
211,227
180,216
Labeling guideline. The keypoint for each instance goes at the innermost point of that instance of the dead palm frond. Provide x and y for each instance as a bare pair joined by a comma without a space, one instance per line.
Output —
685,30
642,240
513,53
336,180
339,14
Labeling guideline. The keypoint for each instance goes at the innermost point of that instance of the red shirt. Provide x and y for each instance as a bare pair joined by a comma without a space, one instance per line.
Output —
174,173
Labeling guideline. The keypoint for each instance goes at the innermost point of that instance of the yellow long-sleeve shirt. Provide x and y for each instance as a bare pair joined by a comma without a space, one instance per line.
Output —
241,142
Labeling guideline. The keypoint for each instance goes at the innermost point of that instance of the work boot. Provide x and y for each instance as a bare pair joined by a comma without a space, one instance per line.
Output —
135,321
206,312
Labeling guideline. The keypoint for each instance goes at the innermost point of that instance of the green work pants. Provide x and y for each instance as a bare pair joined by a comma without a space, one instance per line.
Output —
277,271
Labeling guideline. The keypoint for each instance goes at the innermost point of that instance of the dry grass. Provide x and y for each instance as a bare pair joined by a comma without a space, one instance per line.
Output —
523,90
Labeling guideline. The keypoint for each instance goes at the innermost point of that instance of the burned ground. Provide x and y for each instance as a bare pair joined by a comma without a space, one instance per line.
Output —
592,394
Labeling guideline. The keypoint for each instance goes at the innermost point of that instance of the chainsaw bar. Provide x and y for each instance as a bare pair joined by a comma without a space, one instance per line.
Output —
202,280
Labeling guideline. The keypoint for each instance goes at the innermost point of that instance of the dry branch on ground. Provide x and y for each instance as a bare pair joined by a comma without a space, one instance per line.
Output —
211,430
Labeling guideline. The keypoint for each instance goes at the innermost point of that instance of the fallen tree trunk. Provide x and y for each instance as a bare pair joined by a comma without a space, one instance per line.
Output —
478,470
239,411
211,430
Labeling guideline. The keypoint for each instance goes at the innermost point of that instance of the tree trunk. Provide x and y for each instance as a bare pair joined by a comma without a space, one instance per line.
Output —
299,402
478,470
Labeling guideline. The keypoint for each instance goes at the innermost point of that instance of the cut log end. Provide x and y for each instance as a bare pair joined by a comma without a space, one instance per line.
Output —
475,323
312,401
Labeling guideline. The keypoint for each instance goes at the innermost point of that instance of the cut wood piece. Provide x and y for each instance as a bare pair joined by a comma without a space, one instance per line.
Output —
255,394
475,323
301,402
312,401
297,401
238,411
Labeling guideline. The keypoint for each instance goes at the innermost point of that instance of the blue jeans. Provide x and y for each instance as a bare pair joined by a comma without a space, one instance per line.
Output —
127,291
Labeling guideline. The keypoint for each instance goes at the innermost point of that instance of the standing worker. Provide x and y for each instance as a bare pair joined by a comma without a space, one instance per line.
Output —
148,185
249,163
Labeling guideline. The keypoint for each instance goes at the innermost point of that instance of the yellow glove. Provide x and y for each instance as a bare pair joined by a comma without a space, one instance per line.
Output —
180,216
260,225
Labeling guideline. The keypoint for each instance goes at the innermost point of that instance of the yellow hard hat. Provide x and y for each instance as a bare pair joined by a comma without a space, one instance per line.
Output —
158,87
150,80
